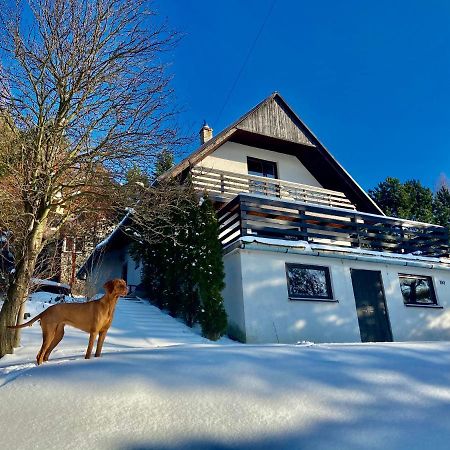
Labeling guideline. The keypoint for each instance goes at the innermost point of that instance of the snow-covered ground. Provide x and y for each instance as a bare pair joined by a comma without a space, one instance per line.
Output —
158,385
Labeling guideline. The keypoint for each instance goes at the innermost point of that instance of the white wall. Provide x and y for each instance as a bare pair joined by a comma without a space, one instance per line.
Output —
410,323
134,270
232,295
109,266
271,317
232,157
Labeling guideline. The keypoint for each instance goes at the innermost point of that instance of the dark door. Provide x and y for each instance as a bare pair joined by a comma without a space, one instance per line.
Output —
371,308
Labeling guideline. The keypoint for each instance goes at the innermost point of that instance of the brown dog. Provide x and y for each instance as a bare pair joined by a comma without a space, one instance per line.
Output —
94,317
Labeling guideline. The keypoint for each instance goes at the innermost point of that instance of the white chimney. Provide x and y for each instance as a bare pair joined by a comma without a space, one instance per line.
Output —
206,133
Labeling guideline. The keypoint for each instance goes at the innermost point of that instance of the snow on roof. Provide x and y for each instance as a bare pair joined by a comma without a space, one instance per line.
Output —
354,251
108,238
42,282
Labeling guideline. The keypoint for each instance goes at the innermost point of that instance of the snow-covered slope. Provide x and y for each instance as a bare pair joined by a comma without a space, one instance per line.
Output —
137,324
160,386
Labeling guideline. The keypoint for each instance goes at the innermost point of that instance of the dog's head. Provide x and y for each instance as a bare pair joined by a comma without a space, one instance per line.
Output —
116,287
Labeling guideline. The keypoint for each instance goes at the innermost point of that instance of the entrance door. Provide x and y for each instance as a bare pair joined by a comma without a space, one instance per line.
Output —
371,308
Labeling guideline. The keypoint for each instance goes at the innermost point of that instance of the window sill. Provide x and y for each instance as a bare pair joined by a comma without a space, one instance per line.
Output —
322,300
425,306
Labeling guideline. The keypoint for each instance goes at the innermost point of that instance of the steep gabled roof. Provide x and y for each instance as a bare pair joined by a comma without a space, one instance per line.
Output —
273,125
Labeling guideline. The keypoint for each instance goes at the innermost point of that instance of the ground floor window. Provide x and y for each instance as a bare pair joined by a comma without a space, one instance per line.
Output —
417,290
306,282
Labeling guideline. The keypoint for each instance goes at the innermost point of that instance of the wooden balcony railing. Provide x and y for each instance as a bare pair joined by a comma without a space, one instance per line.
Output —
226,185
289,220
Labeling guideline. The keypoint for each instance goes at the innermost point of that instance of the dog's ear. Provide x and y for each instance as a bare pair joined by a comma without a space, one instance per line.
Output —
109,286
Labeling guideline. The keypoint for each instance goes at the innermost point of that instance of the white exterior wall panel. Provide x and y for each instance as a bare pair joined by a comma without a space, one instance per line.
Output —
271,317
232,296
134,270
232,157
109,267
411,323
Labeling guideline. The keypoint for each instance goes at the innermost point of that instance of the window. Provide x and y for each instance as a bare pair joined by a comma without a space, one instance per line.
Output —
261,168
307,282
266,169
417,290
79,245
68,244
73,245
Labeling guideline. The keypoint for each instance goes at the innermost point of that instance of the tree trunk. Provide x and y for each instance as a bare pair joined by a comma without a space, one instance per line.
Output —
18,291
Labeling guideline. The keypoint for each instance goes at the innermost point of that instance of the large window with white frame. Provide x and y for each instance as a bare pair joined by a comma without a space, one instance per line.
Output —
308,282
417,290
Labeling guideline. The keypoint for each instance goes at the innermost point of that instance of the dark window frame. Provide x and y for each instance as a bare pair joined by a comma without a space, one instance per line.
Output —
435,303
263,162
325,269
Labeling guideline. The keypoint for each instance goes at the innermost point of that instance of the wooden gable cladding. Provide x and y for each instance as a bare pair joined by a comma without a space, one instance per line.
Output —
274,119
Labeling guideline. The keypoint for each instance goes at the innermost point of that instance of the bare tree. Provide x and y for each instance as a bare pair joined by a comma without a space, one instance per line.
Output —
85,95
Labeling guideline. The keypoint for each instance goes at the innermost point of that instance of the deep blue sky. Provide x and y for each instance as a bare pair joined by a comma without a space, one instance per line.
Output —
370,78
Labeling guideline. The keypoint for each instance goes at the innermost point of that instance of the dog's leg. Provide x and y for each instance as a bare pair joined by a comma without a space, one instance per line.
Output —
92,337
56,340
101,338
47,338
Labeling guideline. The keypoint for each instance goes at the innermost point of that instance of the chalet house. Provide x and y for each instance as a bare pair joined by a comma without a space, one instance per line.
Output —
308,255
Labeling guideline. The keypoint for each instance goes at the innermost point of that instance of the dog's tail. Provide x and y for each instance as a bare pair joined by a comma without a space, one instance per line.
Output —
27,324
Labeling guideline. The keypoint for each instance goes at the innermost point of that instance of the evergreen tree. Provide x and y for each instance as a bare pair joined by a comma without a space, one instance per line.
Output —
184,271
419,202
409,200
138,176
390,196
211,274
185,261
164,162
441,207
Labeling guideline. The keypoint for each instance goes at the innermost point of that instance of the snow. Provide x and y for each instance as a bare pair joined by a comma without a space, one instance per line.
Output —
311,248
42,282
105,241
279,242
159,385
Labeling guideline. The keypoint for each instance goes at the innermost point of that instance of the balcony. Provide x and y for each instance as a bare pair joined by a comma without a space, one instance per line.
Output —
223,186
267,217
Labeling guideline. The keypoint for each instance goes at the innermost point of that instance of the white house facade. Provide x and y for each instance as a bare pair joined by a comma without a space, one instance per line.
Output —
308,255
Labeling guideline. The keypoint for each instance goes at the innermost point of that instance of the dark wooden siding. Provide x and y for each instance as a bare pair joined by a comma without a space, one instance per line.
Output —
272,119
